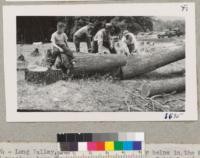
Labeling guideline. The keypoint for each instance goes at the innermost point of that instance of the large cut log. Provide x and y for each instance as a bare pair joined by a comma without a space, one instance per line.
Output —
163,86
42,75
84,64
140,64
87,64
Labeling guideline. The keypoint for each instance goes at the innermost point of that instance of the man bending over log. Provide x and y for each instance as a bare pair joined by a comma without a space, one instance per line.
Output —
130,40
60,46
83,35
102,41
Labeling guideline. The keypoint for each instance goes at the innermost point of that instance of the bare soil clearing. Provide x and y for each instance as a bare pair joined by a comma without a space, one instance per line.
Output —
102,93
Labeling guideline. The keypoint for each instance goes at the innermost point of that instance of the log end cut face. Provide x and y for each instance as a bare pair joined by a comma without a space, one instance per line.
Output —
161,87
42,75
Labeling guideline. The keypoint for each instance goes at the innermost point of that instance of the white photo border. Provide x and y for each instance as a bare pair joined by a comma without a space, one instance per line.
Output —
126,9
53,0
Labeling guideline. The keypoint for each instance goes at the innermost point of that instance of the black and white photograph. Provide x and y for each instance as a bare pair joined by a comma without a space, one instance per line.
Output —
109,63
101,64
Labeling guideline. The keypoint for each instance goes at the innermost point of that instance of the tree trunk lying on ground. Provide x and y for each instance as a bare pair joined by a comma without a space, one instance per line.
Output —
163,86
138,65
87,64
42,75
120,66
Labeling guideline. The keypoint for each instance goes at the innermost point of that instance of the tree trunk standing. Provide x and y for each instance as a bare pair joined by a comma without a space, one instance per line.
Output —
42,75
138,65
88,64
163,86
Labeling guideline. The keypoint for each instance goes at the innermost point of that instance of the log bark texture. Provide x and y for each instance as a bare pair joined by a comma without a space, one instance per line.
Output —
163,86
87,64
138,65
42,75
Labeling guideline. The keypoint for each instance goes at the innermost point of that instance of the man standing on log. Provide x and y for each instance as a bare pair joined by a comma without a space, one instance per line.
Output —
102,41
60,46
130,40
83,35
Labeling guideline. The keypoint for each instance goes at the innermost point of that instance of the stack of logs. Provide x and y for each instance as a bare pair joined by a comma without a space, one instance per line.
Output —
125,68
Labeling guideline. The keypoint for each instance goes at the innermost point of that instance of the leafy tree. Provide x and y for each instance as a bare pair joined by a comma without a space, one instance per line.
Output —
30,28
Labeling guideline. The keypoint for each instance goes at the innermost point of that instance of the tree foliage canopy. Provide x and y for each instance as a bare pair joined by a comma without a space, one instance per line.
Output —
31,29
161,25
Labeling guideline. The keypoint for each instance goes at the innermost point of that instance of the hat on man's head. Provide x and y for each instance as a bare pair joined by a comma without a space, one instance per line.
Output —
125,32
108,26
91,25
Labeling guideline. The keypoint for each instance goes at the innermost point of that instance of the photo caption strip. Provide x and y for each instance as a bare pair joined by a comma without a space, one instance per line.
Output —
50,150
101,145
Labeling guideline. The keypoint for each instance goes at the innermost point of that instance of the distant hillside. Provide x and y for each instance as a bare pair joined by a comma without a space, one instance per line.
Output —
161,24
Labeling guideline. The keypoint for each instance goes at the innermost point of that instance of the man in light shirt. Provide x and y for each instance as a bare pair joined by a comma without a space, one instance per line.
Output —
130,40
83,35
102,41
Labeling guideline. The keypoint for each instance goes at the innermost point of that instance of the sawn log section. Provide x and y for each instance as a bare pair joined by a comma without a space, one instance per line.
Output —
138,65
163,86
121,66
88,64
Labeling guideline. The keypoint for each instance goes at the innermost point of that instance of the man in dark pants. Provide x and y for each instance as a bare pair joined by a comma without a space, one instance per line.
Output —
83,35
102,41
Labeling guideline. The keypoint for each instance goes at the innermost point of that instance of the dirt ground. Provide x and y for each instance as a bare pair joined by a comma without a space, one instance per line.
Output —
101,94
